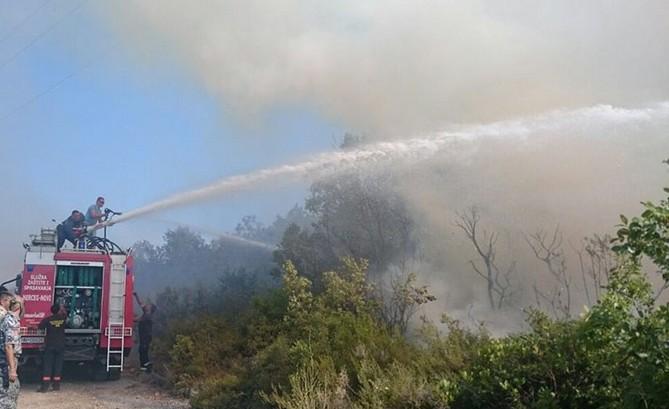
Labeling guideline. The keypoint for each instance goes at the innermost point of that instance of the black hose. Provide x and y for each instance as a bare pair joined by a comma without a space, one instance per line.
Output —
10,281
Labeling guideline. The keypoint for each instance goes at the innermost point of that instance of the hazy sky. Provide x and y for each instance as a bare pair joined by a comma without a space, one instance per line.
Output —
79,118
136,100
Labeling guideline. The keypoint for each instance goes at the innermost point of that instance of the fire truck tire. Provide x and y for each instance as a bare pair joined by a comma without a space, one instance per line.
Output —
100,373
114,374
29,373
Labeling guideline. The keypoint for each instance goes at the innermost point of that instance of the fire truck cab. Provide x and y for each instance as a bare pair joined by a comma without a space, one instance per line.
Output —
94,283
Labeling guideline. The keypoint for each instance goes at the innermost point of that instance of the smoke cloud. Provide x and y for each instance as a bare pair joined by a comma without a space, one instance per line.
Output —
397,69
579,176
397,66
454,146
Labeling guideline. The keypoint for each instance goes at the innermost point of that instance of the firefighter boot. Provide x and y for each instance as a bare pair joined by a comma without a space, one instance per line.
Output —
56,385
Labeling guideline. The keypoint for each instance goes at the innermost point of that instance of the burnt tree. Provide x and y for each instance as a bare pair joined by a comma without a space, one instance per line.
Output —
548,249
498,280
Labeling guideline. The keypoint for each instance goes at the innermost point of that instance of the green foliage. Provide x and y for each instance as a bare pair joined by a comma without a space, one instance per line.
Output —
615,357
356,214
300,347
405,300
270,355
348,290
250,228
340,321
396,386
445,356
298,290
265,322
185,258
309,251
316,385
330,350
200,348
216,392
647,234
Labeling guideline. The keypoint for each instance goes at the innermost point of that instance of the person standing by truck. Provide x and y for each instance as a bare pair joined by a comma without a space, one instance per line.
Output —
145,329
5,299
5,383
55,348
10,349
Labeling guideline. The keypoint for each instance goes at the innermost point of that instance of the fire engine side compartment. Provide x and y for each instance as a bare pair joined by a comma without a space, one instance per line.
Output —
38,288
82,335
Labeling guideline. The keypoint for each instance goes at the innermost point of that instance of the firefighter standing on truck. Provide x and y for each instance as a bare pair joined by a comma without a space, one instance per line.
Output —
94,214
55,348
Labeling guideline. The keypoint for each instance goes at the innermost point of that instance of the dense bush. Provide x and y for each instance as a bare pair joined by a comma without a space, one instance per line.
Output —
615,356
296,348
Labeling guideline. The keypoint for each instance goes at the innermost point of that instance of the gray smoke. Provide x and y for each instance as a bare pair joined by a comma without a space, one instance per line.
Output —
398,66
398,69
453,147
575,169
579,178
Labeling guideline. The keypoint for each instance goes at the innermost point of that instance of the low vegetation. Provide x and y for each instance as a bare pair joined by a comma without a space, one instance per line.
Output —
333,340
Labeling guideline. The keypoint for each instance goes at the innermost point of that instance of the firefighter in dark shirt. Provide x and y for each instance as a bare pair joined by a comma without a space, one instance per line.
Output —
70,228
55,348
145,328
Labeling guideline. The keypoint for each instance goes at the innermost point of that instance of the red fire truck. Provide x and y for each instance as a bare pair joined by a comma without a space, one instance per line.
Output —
94,282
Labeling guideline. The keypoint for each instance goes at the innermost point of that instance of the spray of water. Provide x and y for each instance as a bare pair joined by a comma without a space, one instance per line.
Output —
242,240
220,234
450,142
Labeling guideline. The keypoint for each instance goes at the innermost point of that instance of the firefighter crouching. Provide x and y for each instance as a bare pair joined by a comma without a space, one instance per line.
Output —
70,229
54,350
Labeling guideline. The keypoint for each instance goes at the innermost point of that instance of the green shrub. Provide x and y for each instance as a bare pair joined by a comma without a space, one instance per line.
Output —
299,349
219,391
397,386
614,357
316,385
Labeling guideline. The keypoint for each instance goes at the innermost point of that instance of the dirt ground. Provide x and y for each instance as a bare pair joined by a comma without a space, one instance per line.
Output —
133,391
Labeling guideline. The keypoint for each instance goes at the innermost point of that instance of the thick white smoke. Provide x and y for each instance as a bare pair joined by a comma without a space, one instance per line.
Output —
402,66
399,70
456,146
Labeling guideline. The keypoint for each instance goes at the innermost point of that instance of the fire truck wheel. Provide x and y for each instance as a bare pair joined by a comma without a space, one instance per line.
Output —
114,374
100,373
30,373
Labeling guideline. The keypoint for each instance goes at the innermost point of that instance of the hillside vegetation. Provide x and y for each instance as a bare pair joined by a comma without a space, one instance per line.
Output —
332,338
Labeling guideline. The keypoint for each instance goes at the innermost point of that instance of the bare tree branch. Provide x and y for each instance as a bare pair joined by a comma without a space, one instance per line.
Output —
498,281
552,255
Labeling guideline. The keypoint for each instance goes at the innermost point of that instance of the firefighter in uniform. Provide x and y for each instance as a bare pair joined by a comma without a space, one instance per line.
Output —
55,348
10,351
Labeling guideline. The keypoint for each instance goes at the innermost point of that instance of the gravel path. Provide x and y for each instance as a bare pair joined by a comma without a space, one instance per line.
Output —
132,391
